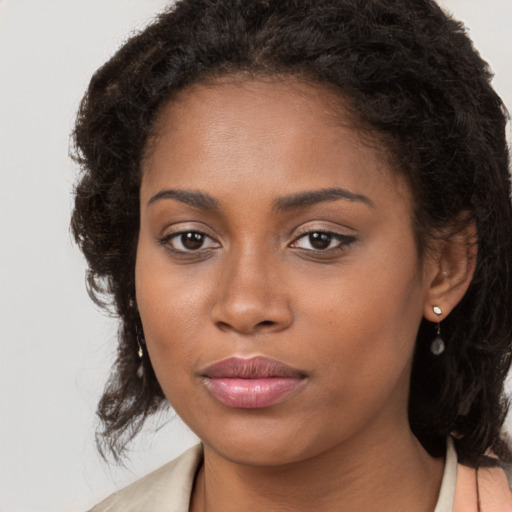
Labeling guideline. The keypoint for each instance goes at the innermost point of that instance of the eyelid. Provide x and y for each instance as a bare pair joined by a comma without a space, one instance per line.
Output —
177,234
342,239
323,227
187,227
174,231
344,235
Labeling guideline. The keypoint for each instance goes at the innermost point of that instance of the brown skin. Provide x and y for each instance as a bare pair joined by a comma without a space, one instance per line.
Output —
346,316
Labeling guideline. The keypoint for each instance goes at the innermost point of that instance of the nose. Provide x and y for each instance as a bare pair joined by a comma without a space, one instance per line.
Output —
251,296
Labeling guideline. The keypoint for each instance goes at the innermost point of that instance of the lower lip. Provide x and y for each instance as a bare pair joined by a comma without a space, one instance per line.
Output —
251,393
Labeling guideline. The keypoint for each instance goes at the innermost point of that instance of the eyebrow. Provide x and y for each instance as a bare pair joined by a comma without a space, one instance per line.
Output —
197,199
309,198
206,202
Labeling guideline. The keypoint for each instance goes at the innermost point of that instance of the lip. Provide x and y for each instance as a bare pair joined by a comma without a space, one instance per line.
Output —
252,383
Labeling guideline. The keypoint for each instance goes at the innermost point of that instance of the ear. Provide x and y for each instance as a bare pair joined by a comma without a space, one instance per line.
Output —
450,270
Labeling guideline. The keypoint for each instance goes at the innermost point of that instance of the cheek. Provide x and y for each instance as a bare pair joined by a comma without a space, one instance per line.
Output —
364,323
172,312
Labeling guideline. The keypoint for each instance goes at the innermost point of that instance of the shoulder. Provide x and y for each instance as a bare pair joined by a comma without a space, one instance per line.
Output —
165,490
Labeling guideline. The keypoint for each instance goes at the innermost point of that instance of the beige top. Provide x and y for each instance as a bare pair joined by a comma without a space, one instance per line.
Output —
168,489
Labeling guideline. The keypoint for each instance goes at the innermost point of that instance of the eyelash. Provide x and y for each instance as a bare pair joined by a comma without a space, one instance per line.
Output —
165,241
343,242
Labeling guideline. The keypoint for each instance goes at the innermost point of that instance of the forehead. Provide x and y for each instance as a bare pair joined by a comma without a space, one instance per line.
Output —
289,134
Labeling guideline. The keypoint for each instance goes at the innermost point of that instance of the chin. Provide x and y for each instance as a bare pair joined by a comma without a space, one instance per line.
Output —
265,443
260,453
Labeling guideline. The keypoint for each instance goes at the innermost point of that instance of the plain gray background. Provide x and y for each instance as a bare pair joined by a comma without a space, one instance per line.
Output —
56,348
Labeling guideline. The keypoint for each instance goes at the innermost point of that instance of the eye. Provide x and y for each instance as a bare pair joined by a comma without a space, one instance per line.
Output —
322,241
189,241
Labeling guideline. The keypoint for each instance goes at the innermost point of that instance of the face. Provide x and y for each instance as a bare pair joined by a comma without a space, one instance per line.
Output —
277,276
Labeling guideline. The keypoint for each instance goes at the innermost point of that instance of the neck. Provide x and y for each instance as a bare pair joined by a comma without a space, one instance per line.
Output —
372,472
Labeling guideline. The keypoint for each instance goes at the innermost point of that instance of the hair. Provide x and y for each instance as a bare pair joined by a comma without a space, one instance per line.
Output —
410,75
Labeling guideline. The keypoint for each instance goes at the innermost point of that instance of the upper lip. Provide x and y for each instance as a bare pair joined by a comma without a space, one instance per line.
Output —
258,367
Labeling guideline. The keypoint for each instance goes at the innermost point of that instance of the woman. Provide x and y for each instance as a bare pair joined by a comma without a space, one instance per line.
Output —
300,212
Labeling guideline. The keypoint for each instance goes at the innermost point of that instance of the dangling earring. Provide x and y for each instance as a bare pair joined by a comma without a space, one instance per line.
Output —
140,369
437,346
140,353
139,334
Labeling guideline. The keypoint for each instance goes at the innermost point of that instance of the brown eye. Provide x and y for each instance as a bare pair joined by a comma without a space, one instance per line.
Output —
320,241
323,241
192,240
189,241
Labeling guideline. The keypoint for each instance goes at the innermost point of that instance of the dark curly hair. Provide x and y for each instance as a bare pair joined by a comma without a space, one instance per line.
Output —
412,77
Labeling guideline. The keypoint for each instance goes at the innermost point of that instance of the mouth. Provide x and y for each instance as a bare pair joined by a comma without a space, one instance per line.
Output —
252,383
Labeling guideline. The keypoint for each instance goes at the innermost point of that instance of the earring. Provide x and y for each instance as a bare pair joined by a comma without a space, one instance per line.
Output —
140,353
139,335
437,346
140,369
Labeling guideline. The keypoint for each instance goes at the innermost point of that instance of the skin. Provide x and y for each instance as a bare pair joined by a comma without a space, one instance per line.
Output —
345,316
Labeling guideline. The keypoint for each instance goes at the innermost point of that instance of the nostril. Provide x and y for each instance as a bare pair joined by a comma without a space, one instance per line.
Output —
246,328
266,323
224,325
